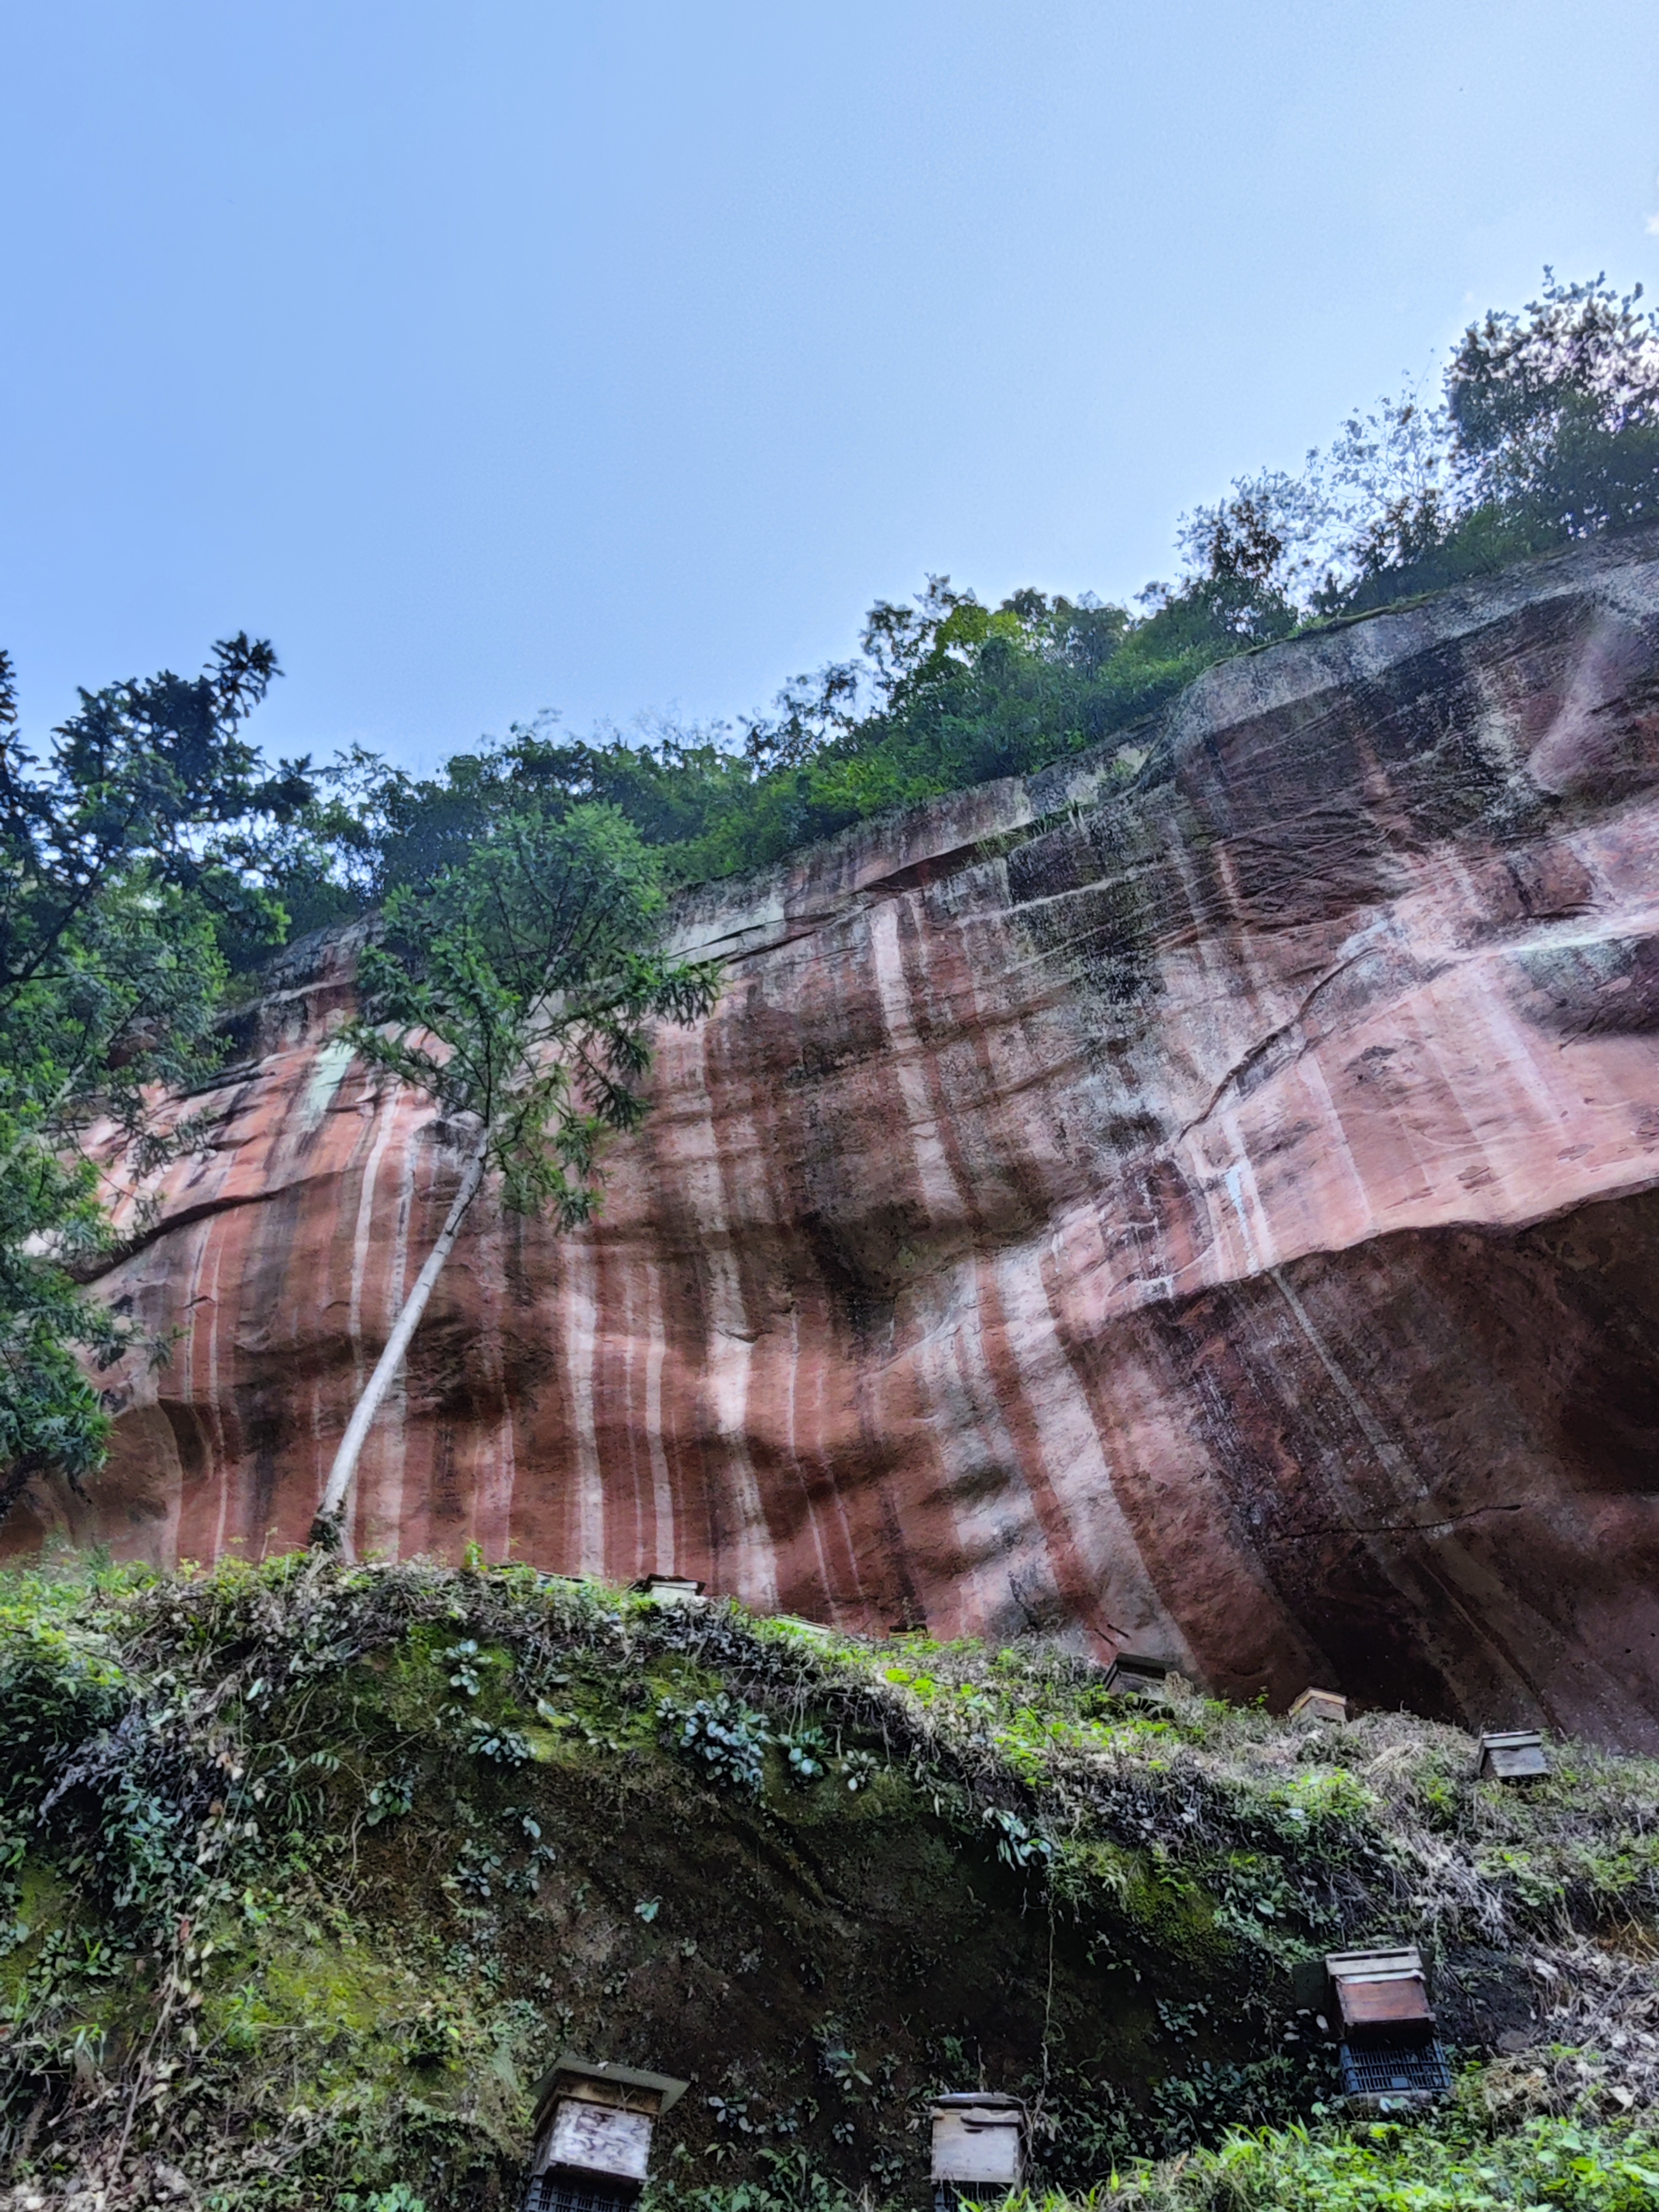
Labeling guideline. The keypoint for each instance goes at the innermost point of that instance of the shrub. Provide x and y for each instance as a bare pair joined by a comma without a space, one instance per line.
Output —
725,1740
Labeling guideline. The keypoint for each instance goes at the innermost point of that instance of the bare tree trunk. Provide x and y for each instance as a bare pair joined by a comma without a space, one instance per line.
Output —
328,1530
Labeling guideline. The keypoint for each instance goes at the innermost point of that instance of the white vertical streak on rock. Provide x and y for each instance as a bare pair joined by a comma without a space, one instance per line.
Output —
580,1331
1513,1050
391,1435
939,1184
662,1489
363,1139
385,1120
1364,1221
1021,1547
381,1526
1197,973
1075,1458
974,1454
212,1242
790,1446
326,1074
730,1357
978,1534
694,1156
492,1512
624,1343
1256,1236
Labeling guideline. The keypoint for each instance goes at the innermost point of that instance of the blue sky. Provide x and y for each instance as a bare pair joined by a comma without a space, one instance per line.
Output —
501,353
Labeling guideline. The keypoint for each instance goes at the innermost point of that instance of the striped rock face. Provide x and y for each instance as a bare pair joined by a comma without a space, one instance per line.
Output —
1200,1198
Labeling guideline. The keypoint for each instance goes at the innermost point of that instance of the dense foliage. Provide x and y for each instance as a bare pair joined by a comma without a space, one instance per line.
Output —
129,856
1548,430
515,988
309,1870
946,693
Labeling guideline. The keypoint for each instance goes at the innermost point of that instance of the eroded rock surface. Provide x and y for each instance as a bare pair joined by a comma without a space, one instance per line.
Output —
1214,1209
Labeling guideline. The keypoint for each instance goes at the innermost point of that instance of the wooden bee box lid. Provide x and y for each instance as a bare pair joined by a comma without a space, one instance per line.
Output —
1394,2001
978,2138
1375,1961
1381,1988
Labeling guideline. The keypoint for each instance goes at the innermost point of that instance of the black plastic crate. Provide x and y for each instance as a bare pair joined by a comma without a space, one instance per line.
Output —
578,2192
1394,2069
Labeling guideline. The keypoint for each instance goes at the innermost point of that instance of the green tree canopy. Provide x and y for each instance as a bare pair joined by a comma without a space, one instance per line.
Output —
1547,430
125,854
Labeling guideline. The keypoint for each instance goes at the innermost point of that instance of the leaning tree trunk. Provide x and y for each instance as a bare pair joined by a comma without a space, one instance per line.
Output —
328,1530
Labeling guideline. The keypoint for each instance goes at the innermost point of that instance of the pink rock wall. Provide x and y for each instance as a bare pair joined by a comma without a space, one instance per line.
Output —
1211,1207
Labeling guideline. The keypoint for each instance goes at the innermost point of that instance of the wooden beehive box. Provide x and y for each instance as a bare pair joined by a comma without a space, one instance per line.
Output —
1381,1993
1321,1706
1133,1675
670,1589
801,1626
1513,1755
979,2141
595,2118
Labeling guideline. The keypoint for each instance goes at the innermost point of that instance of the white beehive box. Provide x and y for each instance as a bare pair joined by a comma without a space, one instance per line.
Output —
1513,1755
594,2117
598,2139
979,2141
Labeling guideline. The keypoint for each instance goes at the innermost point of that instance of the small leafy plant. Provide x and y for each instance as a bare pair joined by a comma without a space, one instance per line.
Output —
1018,1844
727,1740
805,1750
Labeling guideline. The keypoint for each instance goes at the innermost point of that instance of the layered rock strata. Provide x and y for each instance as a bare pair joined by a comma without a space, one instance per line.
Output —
1201,1196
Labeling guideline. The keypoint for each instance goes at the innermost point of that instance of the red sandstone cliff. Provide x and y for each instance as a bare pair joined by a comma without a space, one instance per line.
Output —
1219,1210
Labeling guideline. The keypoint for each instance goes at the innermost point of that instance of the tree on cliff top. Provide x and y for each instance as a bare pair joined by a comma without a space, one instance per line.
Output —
1548,431
515,989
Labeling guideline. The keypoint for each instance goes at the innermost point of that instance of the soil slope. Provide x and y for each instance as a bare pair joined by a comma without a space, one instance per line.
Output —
308,1873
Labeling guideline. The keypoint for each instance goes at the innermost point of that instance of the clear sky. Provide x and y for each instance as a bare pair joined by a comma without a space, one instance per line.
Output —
496,355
